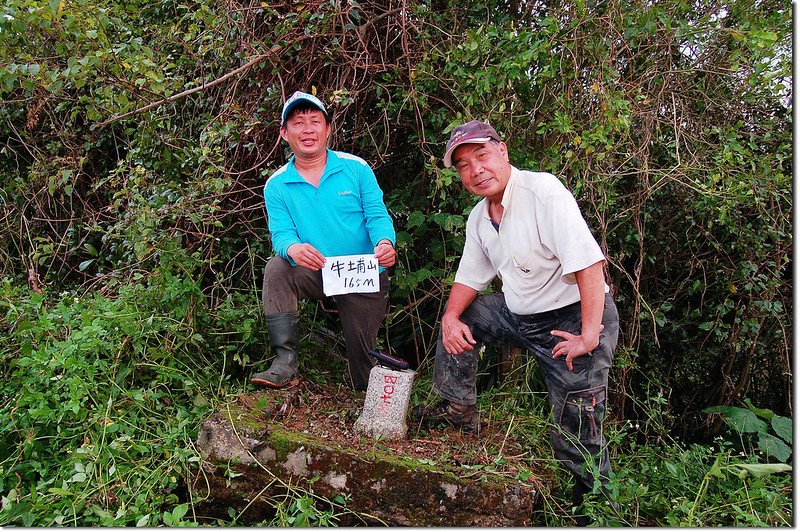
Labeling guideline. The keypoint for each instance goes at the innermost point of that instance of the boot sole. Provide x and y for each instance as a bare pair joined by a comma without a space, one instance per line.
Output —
275,386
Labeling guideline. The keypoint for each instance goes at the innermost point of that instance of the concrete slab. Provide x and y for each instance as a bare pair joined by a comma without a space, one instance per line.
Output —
251,461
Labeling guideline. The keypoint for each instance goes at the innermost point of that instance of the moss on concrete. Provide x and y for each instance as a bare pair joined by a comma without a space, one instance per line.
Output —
378,479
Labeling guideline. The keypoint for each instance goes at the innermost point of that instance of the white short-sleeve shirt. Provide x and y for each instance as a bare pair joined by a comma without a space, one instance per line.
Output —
542,241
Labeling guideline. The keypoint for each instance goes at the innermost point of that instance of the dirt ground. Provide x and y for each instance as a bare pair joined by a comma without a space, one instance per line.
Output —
330,412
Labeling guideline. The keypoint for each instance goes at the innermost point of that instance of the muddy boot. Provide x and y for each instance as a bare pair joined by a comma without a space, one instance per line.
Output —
283,339
462,417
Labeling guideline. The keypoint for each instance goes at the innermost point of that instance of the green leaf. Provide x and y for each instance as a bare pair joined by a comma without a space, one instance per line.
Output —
741,420
415,218
715,469
61,492
765,413
774,446
179,511
783,428
761,470
763,38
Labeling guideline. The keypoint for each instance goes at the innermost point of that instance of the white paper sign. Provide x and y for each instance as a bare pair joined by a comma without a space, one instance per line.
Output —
350,274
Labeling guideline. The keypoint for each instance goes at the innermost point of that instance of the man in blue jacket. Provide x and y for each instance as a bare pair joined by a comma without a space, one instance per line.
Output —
322,203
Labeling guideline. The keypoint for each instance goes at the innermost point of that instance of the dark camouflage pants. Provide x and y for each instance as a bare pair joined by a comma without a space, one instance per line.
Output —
577,398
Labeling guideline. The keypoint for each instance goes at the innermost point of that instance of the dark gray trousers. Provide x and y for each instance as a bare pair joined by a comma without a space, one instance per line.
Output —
577,398
361,315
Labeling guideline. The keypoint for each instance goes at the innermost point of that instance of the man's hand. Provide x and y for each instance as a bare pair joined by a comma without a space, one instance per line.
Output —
591,285
456,336
574,346
307,256
385,254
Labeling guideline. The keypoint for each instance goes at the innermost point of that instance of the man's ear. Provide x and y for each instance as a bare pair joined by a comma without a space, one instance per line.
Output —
283,133
503,149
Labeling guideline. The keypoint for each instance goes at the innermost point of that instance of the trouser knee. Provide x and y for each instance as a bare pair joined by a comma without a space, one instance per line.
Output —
284,285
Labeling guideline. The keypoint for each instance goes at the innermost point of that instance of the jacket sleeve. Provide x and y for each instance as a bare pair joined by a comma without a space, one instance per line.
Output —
279,220
378,222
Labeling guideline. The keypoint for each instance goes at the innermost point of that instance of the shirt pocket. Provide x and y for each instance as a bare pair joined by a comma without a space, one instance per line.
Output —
526,267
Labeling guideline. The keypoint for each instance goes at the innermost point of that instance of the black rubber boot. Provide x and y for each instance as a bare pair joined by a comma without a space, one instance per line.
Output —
283,335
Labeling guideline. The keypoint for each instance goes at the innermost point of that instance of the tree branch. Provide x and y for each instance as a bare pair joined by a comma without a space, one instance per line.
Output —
257,59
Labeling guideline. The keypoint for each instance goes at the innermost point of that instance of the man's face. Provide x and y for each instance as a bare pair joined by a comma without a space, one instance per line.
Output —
484,168
306,132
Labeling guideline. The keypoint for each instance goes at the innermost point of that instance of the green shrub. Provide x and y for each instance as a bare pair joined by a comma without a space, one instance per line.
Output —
102,401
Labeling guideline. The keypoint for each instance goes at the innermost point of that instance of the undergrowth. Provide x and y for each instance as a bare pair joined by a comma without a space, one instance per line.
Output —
103,397
739,480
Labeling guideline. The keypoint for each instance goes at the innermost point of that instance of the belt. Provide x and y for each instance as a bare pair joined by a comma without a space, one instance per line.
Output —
562,312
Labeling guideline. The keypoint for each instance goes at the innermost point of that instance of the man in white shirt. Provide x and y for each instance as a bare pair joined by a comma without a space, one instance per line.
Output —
555,303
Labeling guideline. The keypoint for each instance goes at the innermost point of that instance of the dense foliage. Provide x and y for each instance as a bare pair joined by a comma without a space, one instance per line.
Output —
136,138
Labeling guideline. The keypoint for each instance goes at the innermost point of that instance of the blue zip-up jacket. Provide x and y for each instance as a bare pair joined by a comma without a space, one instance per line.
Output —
345,215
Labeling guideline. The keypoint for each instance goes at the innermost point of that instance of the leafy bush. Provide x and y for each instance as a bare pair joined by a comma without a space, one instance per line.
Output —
115,154
677,484
753,424
102,402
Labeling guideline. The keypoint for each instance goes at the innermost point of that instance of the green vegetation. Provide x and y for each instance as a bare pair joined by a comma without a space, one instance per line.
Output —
136,138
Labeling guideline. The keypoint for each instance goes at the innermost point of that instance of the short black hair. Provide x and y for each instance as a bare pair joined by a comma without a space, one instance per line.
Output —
305,106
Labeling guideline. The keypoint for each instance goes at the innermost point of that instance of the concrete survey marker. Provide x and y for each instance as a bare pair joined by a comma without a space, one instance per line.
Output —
386,404
266,445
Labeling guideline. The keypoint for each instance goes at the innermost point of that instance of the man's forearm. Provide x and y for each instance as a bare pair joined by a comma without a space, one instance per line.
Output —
591,285
460,298
456,335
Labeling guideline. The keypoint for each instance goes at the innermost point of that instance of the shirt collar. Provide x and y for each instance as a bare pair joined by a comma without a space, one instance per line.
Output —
332,164
512,180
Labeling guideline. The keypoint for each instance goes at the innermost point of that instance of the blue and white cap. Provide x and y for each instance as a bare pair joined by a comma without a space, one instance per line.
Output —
297,98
